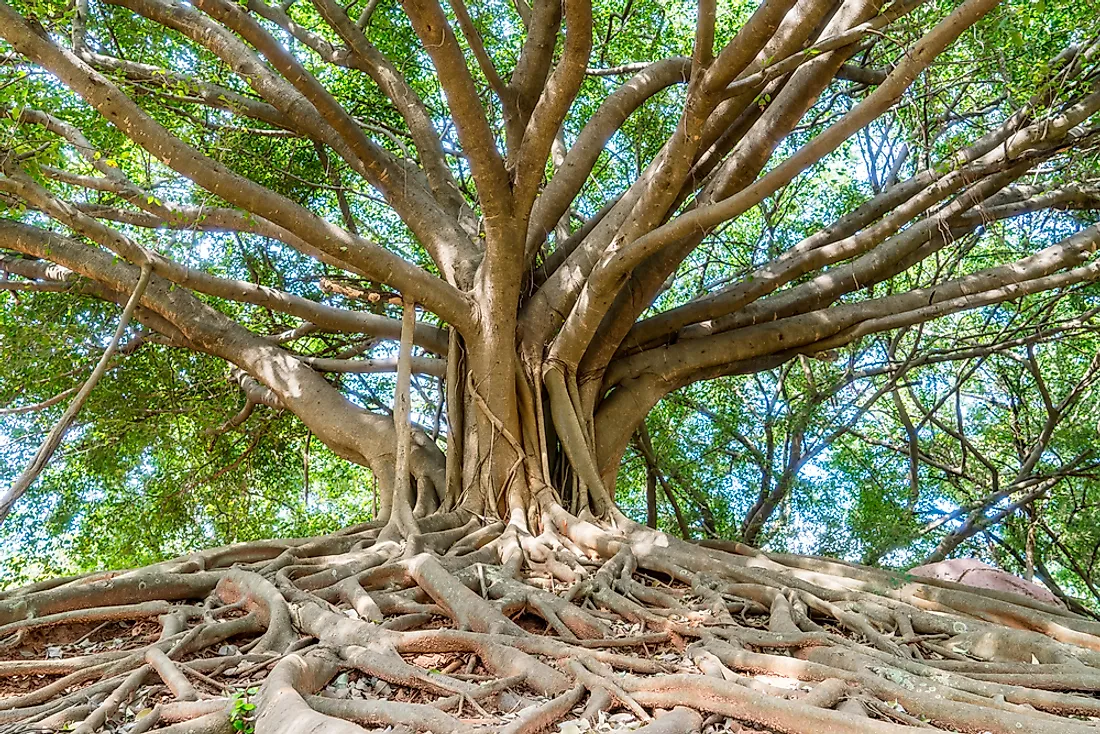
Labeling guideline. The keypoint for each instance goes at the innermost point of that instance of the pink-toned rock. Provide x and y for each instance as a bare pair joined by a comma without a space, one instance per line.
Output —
972,572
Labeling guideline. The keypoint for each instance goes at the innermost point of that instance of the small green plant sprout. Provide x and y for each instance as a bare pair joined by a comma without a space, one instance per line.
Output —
241,715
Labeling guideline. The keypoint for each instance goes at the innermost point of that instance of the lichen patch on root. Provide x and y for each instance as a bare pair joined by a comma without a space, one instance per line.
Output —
589,628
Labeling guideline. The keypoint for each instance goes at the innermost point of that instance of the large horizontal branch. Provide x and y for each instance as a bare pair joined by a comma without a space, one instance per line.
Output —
894,256
421,365
1064,198
631,399
371,260
849,235
827,328
1084,274
155,213
325,317
207,93
843,241
976,206
13,286
357,435
760,281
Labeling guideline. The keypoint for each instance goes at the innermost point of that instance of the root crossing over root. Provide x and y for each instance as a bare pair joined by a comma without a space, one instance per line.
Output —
457,627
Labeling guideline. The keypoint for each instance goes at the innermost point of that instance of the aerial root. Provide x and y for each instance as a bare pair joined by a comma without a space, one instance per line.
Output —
217,723
172,676
262,597
744,704
544,716
604,679
282,705
111,704
679,720
389,713
460,628
827,693
469,610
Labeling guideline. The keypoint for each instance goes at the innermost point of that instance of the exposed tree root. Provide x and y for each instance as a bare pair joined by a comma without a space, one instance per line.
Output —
445,632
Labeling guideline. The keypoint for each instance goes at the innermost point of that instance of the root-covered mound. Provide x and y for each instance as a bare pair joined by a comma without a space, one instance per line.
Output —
465,628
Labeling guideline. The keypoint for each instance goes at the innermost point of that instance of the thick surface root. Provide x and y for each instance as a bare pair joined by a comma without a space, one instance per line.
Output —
593,628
